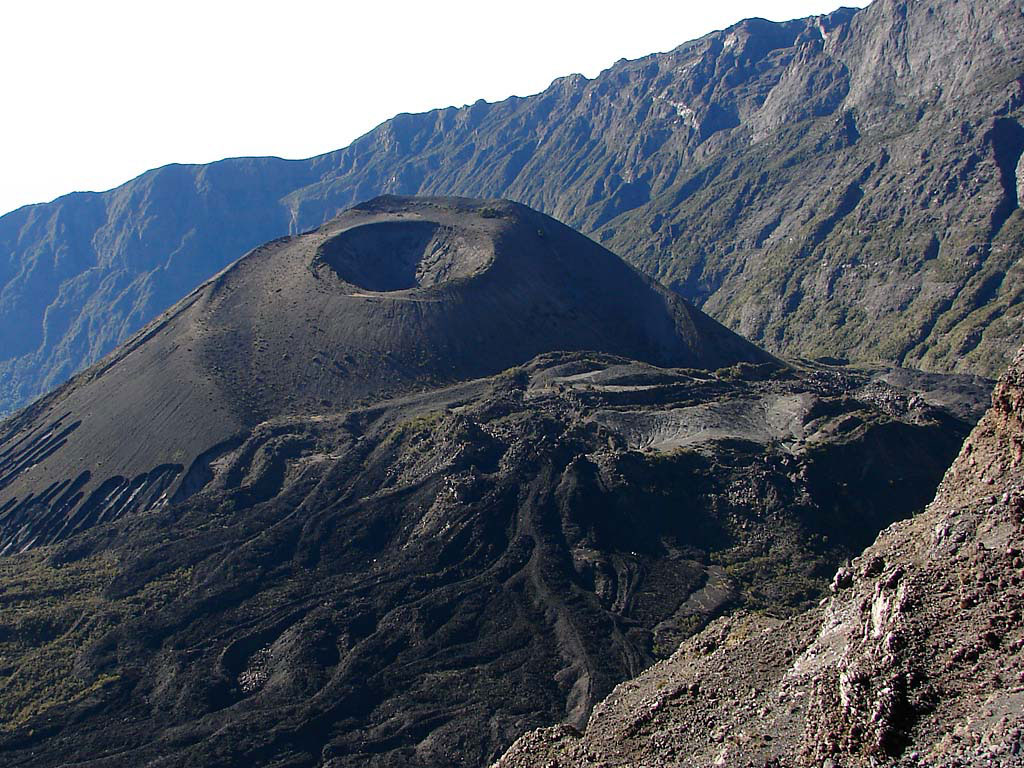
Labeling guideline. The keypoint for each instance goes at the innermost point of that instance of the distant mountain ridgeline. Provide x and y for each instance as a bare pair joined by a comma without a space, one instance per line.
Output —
842,185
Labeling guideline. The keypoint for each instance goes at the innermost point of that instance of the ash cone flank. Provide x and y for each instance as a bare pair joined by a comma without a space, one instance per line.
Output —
460,275
391,297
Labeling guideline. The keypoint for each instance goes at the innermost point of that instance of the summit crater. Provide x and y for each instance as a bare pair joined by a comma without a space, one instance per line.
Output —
402,255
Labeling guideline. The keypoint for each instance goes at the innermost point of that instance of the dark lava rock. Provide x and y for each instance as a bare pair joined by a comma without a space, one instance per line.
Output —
915,661
421,581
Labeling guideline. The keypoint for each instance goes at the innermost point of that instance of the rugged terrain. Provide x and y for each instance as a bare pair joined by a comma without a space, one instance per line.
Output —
422,581
845,185
326,512
914,661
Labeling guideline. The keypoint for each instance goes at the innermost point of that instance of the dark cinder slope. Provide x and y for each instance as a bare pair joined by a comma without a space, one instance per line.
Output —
394,296
839,185
82,274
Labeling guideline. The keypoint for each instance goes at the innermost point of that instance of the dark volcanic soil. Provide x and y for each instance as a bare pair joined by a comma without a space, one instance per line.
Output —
396,295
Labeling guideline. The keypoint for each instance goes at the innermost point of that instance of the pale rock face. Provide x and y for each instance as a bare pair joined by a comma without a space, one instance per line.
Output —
1020,179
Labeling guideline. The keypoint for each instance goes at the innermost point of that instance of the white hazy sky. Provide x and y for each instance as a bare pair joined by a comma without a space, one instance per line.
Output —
95,93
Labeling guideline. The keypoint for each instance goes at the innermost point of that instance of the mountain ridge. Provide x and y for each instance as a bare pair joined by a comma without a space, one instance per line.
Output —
762,171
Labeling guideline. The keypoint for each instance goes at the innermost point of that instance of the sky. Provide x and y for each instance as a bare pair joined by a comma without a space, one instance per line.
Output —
97,92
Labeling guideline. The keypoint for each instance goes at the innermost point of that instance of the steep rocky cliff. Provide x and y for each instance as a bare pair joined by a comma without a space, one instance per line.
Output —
843,185
915,660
